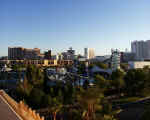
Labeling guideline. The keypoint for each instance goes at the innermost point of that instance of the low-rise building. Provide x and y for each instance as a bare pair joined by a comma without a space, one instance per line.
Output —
126,57
138,64
38,62
98,59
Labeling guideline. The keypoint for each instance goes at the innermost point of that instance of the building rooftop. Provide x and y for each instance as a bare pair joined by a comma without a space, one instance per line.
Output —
11,110
6,111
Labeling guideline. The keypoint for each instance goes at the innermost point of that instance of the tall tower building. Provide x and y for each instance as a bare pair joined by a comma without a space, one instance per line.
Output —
89,53
115,59
141,49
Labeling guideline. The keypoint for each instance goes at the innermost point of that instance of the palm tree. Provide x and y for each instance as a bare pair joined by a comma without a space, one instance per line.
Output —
55,108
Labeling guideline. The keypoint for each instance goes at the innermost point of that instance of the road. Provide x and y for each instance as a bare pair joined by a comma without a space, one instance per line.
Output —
6,113
133,110
132,113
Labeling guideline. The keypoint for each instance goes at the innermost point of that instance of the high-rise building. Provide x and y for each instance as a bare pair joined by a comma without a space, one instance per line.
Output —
148,49
115,59
19,53
69,55
141,49
15,53
31,53
89,53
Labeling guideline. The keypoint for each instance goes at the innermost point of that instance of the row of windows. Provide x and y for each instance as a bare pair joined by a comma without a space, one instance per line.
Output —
41,62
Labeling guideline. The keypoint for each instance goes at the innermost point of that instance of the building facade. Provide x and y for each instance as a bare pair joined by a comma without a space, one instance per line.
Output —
48,55
47,63
15,53
127,56
69,55
141,49
19,53
138,64
115,59
89,53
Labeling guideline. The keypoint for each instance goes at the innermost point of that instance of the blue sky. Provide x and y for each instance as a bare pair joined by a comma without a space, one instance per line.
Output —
59,24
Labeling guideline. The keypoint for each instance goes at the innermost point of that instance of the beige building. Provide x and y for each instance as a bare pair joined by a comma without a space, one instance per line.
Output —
138,64
89,53
38,62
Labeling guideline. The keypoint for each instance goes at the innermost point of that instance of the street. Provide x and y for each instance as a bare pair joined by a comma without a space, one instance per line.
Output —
133,110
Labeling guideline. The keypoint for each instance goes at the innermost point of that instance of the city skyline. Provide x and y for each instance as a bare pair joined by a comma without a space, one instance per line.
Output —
58,25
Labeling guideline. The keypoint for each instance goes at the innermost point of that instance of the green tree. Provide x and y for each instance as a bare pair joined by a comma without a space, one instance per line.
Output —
35,75
52,93
71,113
3,75
89,101
118,80
69,94
124,66
101,82
55,108
60,96
106,107
36,98
136,80
24,88
101,65
15,67
81,68
47,101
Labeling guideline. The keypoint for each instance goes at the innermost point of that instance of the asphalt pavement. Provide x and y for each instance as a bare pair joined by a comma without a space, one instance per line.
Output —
133,110
131,113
